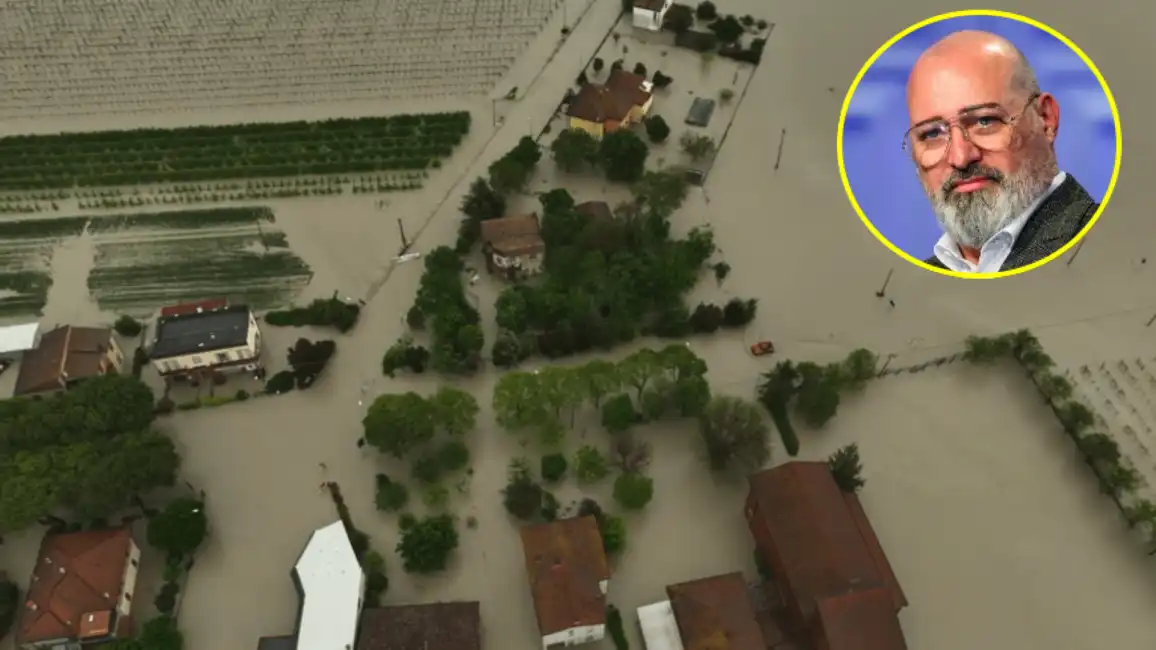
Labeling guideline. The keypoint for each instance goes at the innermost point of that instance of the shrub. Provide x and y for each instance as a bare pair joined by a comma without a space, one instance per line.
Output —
657,129
599,64
747,20
453,455
590,465
554,467
241,395
323,312
640,69
706,10
281,382
615,628
739,312
376,581
633,490
127,326
391,496
436,497
762,24
726,95
679,18
166,599
661,80
613,531
415,318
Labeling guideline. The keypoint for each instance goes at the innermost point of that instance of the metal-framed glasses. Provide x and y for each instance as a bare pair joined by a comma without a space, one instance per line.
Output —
989,127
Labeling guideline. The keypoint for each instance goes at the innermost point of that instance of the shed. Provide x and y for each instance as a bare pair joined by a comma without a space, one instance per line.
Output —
18,338
701,110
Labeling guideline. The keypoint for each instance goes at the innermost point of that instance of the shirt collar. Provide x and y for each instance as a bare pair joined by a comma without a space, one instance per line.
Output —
995,250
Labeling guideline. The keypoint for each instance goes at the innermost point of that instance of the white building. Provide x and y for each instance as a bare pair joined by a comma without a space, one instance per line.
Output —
649,14
569,576
207,336
331,585
17,339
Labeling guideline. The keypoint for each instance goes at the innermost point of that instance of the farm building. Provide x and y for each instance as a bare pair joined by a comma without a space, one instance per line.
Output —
445,626
330,587
623,100
513,246
67,355
649,14
832,582
701,110
698,613
81,590
205,337
569,576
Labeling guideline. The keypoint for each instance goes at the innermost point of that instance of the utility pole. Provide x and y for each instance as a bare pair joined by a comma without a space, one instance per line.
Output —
1150,321
883,290
886,363
405,244
779,156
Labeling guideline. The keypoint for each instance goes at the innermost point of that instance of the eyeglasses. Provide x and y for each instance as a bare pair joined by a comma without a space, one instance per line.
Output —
988,127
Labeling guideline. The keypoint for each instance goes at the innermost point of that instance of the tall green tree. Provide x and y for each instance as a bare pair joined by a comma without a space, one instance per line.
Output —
847,468
735,436
426,546
660,192
517,401
619,414
639,369
180,528
400,422
455,410
482,203
601,379
574,150
622,155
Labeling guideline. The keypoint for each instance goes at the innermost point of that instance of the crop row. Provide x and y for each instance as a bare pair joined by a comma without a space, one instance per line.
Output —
30,289
254,132
383,148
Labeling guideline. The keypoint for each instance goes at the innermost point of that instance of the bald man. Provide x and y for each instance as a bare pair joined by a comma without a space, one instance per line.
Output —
983,138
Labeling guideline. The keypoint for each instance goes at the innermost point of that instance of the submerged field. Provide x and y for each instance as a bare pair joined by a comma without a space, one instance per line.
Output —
141,261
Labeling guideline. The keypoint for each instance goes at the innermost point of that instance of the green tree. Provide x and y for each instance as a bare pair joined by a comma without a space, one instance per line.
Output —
522,497
860,367
622,155
613,531
818,401
657,129
563,389
846,468
512,310
679,19
601,379
590,465
638,369
728,29
180,528
1099,447
633,490
376,581
426,468
426,546
735,436
1076,417
517,403
574,150
508,175
455,411
691,396
110,473
984,350
391,496
619,414
660,192
554,467
1055,388
706,318
706,10
1141,513
1118,479
526,152
453,455
162,633
696,146
397,423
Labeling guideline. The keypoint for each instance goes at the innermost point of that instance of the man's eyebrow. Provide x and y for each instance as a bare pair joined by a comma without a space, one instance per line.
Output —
966,109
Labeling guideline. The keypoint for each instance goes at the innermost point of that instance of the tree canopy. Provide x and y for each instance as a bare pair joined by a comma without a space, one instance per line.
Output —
574,150
735,436
846,468
427,544
622,155
88,450
398,423
180,528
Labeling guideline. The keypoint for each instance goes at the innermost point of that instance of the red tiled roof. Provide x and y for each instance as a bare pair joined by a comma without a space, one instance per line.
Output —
440,626
821,547
716,614
861,620
75,574
610,102
518,235
66,353
565,562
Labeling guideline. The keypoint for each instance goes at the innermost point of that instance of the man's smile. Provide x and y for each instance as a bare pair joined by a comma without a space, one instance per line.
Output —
971,184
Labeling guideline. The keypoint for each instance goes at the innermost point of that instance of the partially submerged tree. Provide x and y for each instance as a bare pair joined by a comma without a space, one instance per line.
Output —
398,423
735,436
180,528
427,544
846,468
574,150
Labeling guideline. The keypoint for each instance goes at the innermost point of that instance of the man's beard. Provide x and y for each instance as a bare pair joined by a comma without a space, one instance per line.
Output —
972,218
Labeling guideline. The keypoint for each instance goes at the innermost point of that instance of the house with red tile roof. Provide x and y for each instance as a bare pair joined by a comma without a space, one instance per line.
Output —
66,355
81,590
569,575
598,109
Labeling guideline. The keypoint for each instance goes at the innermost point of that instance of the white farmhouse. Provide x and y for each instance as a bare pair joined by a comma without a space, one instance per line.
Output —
649,14
211,335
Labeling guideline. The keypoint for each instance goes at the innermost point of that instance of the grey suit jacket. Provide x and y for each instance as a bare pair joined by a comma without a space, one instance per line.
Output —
1056,222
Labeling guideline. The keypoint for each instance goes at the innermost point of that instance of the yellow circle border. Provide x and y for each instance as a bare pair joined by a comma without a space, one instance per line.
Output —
964,14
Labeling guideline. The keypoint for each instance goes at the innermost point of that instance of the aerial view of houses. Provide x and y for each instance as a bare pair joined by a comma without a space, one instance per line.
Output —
536,324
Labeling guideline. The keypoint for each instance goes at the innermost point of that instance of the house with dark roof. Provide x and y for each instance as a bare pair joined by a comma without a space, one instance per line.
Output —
65,356
204,337
598,109
513,246
649,14
713,613
833,587
444,626
595,210
569,575
81,590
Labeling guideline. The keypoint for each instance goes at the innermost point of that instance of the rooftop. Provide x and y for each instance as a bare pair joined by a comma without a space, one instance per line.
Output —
516,235
440,626
332,585
76,574
66,353
595,210
610,102
566,563
200,330
861,620
716,614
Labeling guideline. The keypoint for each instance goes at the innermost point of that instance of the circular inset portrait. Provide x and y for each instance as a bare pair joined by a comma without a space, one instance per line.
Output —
979,144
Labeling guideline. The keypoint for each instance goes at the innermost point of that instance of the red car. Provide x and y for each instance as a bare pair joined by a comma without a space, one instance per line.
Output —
762,348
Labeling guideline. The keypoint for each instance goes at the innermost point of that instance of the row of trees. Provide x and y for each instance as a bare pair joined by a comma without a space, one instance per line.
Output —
234,151
322,312
89,451
1115,473
814,389
177,531
621,154
441,306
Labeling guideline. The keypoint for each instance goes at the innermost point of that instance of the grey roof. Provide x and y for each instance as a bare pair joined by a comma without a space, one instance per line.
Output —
205,331
700,112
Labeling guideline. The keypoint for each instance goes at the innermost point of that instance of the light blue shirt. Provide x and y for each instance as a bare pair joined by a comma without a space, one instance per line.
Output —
995,250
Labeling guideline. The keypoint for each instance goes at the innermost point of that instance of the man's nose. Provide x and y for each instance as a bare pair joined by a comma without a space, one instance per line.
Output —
960,151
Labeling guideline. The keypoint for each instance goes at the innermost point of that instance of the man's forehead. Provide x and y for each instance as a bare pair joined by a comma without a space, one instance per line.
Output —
942,85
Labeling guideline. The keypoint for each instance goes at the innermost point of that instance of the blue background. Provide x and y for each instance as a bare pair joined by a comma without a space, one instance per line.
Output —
883,176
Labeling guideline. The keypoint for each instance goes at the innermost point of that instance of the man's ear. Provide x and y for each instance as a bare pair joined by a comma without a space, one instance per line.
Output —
1049,111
